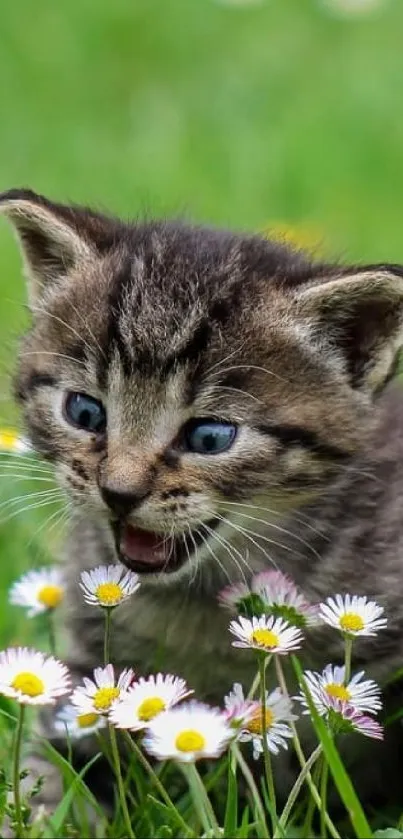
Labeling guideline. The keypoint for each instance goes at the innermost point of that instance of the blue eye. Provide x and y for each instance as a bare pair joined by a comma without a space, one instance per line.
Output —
85,412
206,436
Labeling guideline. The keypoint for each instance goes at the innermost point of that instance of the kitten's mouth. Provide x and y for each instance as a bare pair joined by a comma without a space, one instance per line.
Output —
146,552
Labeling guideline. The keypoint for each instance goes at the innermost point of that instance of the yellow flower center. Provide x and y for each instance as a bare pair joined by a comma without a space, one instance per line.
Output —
104,697
28,683
255,724
265,638
51,596
149,708
109,594
338,691
190,741
8,439
86,720
351,622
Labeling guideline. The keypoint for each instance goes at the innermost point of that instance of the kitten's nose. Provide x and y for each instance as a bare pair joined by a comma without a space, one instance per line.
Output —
120,501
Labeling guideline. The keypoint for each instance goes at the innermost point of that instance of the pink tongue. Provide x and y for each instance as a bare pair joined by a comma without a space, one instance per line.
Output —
142,546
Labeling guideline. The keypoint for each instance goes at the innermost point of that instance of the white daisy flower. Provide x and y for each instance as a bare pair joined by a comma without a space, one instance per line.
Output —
238,708
38,590
267,634
352,615
31,677
344,719
77,725
188,732
278,714
11,441
147,698
282,599
232,597
108,585
361,695
98,695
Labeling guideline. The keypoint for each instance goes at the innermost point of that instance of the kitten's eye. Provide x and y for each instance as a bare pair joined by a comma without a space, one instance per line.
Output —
206,436
85,412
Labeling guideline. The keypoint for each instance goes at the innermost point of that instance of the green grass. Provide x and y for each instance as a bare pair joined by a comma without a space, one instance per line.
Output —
239,116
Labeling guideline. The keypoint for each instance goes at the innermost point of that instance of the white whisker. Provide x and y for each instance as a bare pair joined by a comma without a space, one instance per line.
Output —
229,548
42,311
278,528
212,553
247,535
251,367
56,354
31,507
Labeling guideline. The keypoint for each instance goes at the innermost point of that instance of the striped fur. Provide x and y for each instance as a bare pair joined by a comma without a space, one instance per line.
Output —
164,322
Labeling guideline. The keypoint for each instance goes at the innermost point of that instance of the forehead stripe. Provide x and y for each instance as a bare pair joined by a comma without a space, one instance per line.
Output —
294,435
35,381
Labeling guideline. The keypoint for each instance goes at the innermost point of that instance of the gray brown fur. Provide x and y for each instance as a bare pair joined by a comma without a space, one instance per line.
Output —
162,322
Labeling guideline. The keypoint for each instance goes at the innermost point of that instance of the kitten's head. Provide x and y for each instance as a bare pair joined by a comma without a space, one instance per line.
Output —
173,373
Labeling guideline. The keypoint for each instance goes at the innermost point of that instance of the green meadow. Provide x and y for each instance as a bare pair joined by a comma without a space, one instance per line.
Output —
276,113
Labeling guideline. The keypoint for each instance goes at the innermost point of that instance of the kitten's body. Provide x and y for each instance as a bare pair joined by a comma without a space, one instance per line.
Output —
164,324
352,541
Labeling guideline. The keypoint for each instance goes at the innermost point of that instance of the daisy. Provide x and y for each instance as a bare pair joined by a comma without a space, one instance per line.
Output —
344,719
238,708
281,598
353,615
38,590
237,598
77,725
108,585
270,635
187,733
248,716
10,441
31,677
98,695
146,699
360,695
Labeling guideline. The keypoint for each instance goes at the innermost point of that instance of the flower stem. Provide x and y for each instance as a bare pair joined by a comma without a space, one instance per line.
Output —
157,783
119,779
347,657
201,800
51,632
264,831
323,795
107,636
302,760
20,830
296,790
255,684
266,755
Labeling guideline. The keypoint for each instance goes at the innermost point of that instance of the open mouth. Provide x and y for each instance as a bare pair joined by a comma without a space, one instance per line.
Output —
147,552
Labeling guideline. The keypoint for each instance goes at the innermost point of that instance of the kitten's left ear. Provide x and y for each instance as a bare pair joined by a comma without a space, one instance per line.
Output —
53,237
361,315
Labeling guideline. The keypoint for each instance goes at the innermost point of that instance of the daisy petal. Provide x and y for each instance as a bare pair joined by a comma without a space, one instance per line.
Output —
98,695
146,699
352,615
108,585
267,634
31,677
188,733
38,591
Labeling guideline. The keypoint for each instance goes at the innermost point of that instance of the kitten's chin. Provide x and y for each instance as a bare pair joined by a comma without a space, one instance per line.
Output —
147,552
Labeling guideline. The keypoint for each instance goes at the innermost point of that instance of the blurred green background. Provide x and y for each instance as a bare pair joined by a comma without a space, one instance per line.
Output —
241,114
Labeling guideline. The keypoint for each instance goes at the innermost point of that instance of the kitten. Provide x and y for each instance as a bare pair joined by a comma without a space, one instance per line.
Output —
214,404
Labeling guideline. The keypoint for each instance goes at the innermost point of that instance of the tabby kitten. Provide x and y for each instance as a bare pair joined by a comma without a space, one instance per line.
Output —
214,404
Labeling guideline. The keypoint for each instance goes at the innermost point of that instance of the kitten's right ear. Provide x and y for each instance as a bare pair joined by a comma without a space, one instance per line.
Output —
52,239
